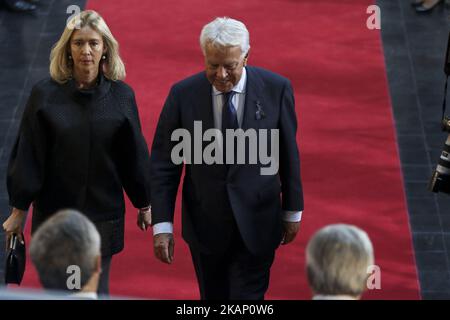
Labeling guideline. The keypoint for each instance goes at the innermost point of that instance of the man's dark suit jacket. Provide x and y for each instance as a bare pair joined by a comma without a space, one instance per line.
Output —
215,194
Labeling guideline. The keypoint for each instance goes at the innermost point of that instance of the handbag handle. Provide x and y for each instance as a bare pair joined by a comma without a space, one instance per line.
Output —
13,241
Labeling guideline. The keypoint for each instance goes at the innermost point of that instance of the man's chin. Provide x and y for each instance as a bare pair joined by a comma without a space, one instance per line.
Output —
223,87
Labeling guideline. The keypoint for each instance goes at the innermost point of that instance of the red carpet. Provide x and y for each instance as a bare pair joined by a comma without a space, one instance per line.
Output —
350,163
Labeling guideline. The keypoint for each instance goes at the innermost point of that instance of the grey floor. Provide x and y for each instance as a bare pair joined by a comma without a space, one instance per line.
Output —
25,43
414,49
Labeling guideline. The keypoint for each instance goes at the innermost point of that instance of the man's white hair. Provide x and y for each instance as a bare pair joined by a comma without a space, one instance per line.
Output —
225,32
337,258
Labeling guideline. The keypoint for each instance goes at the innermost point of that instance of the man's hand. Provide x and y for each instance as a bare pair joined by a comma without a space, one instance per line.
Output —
163,247
290,230
144,219
14,224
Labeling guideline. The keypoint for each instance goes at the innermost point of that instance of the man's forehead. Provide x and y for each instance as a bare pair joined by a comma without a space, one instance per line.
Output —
223,51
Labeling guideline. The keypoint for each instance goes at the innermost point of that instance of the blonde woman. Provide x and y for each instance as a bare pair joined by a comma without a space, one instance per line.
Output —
80,142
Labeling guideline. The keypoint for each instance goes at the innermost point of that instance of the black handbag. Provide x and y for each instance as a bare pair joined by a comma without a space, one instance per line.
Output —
15,260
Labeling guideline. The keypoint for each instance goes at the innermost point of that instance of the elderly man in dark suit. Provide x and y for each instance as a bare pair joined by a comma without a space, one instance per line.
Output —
235,213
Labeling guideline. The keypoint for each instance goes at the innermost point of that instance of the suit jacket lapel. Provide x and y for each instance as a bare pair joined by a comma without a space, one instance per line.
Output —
204,104
253,95
203,111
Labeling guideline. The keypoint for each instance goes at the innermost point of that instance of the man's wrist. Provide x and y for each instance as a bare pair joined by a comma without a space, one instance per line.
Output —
145,209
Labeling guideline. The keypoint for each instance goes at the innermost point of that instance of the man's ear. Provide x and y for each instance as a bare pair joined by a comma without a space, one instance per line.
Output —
246,57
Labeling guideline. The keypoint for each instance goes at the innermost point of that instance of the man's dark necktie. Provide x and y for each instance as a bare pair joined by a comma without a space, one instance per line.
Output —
229,119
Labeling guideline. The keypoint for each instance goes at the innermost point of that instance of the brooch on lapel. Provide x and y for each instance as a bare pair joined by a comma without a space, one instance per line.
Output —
259,111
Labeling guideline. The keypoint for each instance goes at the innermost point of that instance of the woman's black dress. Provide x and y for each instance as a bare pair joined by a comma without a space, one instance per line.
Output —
80,149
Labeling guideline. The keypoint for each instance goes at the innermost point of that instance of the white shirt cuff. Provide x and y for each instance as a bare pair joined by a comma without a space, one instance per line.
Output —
292,216
163,227
167,227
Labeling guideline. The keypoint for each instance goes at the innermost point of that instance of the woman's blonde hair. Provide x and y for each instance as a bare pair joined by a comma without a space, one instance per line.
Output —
60,64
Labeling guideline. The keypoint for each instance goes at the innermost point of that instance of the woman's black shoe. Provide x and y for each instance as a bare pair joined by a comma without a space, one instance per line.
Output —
416,3
426,9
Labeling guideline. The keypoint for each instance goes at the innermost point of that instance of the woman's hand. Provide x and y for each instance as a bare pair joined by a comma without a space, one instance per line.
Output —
14,224
144,218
